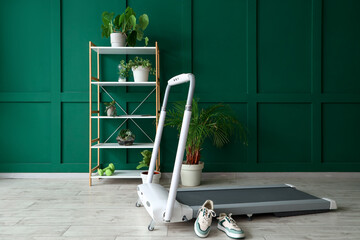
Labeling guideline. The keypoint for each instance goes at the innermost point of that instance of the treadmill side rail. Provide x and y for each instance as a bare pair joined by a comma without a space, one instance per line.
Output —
154,198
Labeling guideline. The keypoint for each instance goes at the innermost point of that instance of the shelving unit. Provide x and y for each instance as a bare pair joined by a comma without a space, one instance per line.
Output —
95,144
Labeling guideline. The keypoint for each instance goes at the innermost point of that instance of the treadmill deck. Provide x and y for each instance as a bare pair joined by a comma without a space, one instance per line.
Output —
254,199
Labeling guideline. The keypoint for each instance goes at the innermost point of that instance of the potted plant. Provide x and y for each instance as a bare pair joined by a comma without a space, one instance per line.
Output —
216,122
123,29
110,109
141,69
123,71
125,137
145,163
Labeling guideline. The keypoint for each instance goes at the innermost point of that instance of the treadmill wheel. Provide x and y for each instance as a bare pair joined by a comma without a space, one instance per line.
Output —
150,228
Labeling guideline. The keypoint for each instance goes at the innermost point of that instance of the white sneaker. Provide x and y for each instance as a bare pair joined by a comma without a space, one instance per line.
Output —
203,222
229,226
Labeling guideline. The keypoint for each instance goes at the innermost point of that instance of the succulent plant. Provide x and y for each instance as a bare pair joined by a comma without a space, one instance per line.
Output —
125,137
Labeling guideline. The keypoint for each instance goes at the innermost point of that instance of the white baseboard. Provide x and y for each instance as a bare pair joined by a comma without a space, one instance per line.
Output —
45,175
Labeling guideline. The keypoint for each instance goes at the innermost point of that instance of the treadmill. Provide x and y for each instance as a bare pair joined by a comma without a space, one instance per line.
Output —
179,205
281,200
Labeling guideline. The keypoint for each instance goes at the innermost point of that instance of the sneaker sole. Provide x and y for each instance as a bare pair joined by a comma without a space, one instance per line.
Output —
198,233
230,234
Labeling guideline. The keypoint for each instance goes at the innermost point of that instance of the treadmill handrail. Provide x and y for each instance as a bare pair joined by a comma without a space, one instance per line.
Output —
177,80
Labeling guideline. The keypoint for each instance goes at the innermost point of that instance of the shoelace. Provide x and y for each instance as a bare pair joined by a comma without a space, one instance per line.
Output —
232,221
207,212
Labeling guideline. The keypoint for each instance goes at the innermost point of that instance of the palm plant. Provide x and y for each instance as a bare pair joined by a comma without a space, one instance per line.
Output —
216,122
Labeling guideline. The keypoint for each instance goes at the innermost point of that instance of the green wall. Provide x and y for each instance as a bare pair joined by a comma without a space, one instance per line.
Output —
290,70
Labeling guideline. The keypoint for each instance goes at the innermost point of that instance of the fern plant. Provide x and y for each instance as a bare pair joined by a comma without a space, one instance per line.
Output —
216,122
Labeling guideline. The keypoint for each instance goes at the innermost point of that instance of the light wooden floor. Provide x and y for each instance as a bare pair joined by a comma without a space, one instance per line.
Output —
54,209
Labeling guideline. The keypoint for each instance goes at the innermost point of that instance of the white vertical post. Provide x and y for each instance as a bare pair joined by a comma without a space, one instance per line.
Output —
156,146
158,136
177,167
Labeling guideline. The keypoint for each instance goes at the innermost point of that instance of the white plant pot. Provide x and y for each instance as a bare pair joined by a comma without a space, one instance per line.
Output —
156,176
141,74
111,111
191,174
117,39
121,79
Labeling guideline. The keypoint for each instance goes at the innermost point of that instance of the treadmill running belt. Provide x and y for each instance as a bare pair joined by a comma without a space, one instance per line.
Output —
249,195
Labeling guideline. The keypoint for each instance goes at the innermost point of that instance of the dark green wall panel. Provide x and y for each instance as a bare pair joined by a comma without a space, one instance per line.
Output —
341,48
341,133
25,56
78,23
220,47
75,128
284,46
170,26
284,133
25,134
289,69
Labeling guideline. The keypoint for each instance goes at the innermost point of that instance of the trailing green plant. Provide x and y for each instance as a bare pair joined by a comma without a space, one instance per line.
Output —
126,24
124,71
138,61
110,105
216,122
126,135
146,159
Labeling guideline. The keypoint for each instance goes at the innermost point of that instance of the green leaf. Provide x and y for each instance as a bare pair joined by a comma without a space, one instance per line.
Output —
104,31
107,17
131,39
121,20
143,21
111,27
140,33
129,11
116,22
146,41
131,22
142,165
124,24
